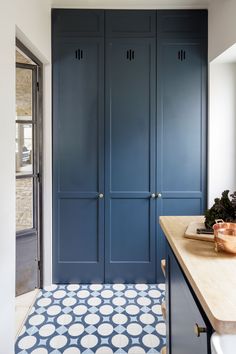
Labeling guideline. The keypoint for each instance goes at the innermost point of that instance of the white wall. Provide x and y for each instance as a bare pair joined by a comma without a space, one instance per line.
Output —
32,18
222,97
222,26
33,28
222,129
7,177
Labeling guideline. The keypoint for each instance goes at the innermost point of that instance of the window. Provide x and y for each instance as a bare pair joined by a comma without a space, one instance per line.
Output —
28,142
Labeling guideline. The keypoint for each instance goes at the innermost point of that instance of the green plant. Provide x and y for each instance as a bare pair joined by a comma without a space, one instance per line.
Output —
223,208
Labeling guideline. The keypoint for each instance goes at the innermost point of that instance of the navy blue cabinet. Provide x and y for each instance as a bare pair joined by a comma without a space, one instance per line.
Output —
72,23
181,115
130,23
130,160
130,146
184,314
78,151
129,130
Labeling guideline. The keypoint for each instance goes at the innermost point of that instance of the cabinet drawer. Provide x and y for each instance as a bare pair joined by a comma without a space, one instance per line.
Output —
184,314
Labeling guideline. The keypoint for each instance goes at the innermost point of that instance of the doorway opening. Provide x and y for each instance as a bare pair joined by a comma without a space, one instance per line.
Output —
28,170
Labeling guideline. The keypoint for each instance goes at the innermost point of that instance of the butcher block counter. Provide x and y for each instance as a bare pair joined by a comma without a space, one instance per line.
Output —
211,275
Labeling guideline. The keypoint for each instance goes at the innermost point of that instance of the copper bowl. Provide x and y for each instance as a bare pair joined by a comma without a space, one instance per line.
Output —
225,236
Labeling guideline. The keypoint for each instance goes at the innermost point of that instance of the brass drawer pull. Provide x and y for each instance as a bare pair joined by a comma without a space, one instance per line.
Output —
163,267
163,350
198,330
163,310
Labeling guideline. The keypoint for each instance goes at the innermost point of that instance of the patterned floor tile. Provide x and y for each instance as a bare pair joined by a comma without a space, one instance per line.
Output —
95,319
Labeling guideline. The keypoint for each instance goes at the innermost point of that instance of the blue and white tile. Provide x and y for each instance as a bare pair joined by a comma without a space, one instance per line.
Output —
95,319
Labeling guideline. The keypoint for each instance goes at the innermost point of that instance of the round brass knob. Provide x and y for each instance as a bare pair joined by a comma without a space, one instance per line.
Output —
198,330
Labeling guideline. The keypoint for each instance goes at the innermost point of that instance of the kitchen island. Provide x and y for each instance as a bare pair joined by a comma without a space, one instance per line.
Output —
201,289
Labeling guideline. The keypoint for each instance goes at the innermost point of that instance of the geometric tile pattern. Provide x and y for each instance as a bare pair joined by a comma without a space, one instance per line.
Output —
95,319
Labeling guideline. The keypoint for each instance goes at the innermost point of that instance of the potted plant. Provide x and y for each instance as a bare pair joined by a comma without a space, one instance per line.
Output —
223,208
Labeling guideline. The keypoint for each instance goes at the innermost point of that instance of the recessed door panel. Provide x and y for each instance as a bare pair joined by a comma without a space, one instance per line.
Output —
78,114
78,22
130,115
78,160
130,160
182,117
131,23
181,24
125,248
78,225
181,206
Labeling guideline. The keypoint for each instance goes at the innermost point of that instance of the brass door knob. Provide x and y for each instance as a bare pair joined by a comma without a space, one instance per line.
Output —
163,350
198,330
163,310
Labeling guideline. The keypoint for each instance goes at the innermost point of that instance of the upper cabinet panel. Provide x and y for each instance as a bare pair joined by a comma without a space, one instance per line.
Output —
78,102
131,23
83,23
130,87
182,23
181,96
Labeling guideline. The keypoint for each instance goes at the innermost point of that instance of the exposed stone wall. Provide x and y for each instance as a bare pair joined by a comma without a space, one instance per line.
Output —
24,201
22,58
23,92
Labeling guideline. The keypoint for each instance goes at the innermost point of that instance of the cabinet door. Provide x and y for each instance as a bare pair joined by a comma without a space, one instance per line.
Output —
77,23
78,157
181,129
130,160
183,315
131,23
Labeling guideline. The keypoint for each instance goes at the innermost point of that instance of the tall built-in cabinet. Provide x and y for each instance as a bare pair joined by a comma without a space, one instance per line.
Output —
129,138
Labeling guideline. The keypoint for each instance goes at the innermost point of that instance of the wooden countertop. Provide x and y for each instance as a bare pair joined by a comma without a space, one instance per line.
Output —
212,275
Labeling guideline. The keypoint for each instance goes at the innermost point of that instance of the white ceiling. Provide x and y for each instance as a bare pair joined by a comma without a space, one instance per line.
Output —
132,4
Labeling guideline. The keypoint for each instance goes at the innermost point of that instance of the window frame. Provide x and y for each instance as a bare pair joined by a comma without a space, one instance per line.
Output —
37,143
